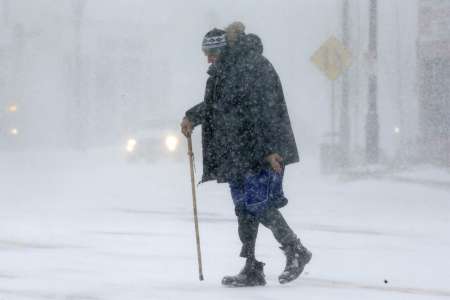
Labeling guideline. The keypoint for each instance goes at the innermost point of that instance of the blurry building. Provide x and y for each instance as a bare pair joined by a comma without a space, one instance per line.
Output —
433,49
395,65
125,81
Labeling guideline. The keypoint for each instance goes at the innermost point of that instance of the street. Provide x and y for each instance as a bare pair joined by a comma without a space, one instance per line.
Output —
90,226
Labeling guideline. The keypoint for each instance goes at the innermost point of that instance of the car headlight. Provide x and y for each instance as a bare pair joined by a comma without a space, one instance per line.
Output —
131,145
171,143
14,131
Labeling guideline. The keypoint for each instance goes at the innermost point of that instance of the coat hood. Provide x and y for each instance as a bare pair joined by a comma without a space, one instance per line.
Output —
240,41
240,45
254,43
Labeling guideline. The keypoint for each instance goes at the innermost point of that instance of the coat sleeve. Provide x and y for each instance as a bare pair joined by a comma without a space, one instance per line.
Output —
196,114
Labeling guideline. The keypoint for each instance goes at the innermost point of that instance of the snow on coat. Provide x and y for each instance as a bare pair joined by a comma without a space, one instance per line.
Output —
244,115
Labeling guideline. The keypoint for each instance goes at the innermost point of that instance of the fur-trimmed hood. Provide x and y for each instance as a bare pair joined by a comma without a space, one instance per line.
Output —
238,40
234,32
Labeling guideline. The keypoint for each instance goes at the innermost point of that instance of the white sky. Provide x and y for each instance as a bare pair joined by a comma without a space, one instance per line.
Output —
170,33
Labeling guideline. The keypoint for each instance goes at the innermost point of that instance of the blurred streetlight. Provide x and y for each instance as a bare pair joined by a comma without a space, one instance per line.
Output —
12,108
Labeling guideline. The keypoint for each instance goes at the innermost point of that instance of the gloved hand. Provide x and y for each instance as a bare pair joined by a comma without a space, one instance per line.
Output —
276,162
186,127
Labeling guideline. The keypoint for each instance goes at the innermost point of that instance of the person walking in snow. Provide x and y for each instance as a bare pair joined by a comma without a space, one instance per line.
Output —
247,141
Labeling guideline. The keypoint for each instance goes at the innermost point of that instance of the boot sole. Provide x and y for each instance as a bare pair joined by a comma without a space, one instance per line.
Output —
287,280
236,285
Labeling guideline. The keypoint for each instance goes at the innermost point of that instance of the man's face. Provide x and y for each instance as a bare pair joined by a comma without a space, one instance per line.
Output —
212,58
212,54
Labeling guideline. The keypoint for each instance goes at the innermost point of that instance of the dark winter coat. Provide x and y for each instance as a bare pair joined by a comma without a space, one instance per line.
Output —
244,116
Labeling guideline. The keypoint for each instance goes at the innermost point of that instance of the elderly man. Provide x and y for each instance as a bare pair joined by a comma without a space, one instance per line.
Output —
247,141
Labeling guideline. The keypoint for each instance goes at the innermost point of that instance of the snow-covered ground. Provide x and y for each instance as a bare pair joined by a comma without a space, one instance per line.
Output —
90,226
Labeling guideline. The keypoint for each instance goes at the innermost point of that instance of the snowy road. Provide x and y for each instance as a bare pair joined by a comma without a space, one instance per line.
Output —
88,227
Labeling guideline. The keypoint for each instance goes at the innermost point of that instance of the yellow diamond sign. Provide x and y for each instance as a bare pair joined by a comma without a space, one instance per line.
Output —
332,58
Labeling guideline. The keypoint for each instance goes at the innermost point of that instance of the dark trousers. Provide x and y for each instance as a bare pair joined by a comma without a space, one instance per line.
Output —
272,219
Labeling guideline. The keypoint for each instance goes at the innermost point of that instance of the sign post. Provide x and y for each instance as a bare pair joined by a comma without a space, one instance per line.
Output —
333,59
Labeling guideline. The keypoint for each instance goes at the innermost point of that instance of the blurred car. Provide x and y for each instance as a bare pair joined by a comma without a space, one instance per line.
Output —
154,143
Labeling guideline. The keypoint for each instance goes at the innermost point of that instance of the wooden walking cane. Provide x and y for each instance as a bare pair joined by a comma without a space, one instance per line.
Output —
194,202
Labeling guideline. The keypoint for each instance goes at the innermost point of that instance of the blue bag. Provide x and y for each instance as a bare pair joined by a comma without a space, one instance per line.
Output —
258,192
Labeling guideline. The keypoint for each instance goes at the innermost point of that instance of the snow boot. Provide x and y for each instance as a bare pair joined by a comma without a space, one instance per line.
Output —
251,275
297,256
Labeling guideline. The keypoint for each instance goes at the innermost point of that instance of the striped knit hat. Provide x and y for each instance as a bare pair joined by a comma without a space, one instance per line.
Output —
214,41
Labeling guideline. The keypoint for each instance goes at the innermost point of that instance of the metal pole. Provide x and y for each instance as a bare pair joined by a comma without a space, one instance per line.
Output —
5,12
372,125
399,90
344,118
333,112
77,123
5,52
194,202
